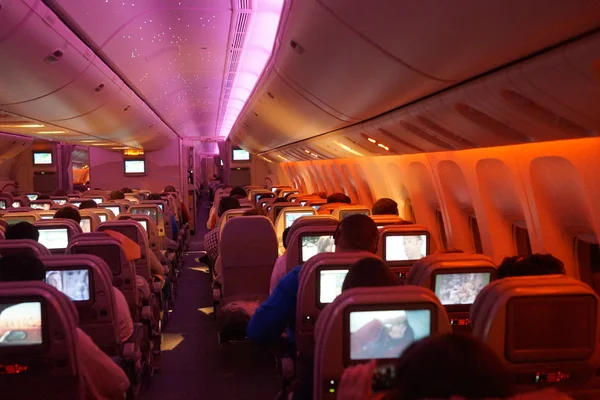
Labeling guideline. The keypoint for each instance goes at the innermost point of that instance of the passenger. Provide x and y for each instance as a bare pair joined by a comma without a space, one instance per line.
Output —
88,204
322,195
127,190
101,376
238,193
338,198
254,211
68,212
22,230
535,264
185,215
59,193
437,367
280,267
117,195
385,206
355,233
211,239
370,272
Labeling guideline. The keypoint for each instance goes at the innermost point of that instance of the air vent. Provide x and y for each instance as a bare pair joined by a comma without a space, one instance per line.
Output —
445,133
244,5
490,124
415,130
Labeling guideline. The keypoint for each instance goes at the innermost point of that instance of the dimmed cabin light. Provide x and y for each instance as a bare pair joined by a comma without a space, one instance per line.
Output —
23,126
50,132
349,149
255,54
383,146
282,157
133,152
307,151
372,140
266,159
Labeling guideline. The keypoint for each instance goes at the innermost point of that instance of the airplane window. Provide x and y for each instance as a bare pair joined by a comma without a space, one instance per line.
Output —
442,228
588,259
476,235
522,242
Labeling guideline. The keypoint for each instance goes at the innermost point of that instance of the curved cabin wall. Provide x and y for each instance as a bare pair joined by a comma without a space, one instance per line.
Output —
550,188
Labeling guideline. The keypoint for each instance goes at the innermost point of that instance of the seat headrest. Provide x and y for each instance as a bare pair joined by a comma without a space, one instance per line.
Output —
254,229
28,245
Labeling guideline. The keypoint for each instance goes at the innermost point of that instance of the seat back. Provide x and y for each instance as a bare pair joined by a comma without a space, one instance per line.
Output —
154,212
545,328
400,246
55,233
263,202
384,220
134,231
89,221
349,330
277,208
316,204
456,279
32,195
346,210
20,201
307,241
257,195
109,249
166,214
59,200
328,208
16,217
284,192
41,204
102,213
248,250
23,246
147,223
115,208
45,214
87,281
320,282
288,215
6,200
99,196
38,343
228,215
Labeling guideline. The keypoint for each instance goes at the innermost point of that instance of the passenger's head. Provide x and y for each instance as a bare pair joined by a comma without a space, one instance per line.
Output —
169,188
356,232
254,211
284,236
68,212
127,190
385,206
322,195
280,200
59,192
238,191
154,196
117,195
442,366
338,198
88,204
369,272
22,230
228,203
535,264
21,267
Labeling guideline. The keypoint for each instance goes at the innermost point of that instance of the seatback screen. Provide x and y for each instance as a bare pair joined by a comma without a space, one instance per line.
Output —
460,288
42,206
312,245
60,202
115,210
102,217
344,214
75,283
54,238
143,223
2,205
386,334
17,204
21,324
32,197
405,247
76,203
290,217
330,284
86,225
151,212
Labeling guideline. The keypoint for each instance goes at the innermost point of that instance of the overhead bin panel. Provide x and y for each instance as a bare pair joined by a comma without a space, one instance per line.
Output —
455,41
38,54
13,145
337,68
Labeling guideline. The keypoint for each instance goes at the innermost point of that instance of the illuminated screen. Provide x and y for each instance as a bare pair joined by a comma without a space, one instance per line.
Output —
330,285
344,214
312,245
303,202
405,247
273,190
74,283
151,212
135,166
259,197
86,225
386,334
144,224
16,204
42,158
2,205
60,202
43,206
221,162
115,210
240,155
160,205
55,238
460,288
21,324
32,197
76,203
316,206
47,217
13,221
98,200
290,217
102,217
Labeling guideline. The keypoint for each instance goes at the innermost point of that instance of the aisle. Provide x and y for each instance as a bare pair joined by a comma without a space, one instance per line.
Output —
195,367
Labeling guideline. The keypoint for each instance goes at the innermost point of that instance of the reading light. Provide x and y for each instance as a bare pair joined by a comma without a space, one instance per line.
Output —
349,149
255,54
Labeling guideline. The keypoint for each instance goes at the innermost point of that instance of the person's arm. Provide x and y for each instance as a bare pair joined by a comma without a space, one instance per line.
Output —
278,312
278,272
155,266
212,219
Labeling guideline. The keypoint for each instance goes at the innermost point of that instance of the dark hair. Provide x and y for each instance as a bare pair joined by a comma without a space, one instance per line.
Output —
279,200
535,264
370,272
338,198
154,196
117,195
88,204
385,206
238,191
358,232
59,192
21,266
322,195
284,236
442,366
68,212
126,190
43,197
169,188
22,230
253,211
228,203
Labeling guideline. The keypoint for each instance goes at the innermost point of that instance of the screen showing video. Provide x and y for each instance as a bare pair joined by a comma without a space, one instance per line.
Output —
316,206
405,247
56,238
43,206
17,204
2,205
240,155
42,158
135,166
290,217
259,197
98,200
312,245
386,334
32,197
102,217
161,206
86,225
344,214
21,324
331,282
115,210
143,223
74,283
460,288
60,202
151,212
